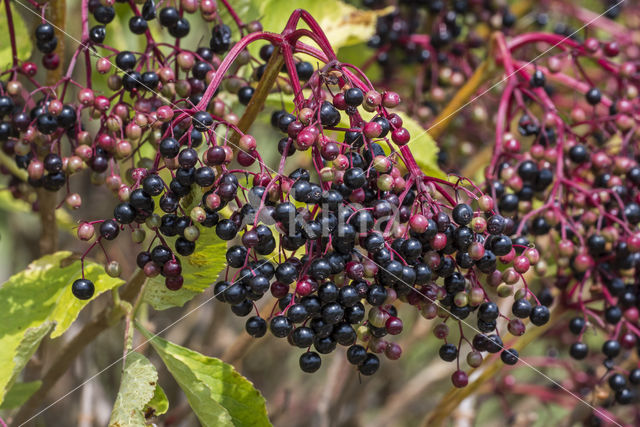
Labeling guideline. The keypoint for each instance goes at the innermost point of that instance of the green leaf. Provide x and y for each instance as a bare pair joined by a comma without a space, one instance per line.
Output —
199,270
217,393
423,147
137,388
19,394
23,40
158,403
37,300
342,23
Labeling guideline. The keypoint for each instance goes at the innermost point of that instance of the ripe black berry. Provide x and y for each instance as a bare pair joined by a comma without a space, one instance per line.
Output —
310,362
509,356
370,365
579,350
593,96
83,289
109,229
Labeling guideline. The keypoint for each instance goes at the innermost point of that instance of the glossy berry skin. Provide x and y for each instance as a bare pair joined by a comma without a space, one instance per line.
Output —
169,16
256,326
539,315
462,214
509,356
448,352
280,326
44,32
109,229
310,362
576,325
354,97
370,365
593,96
578,350
356,354
83,289
521,308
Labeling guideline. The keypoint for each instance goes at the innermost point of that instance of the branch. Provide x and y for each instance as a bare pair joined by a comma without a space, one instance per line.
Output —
46,199
256,104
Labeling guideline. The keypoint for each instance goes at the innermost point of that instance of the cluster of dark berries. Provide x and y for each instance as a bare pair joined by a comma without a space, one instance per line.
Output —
137,140
569,180
441,37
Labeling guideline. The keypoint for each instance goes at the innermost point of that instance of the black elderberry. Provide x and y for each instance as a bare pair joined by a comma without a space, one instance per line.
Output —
302,337
509,356
304,70
310,362
83,289
370,364
109,229
44,32
169,16
97,34
578,350
539,315
138,25
593,96
180,29
611,348
617,382
356,354
448,352
255,326
576,325
124,213
220,38
104,14
462,214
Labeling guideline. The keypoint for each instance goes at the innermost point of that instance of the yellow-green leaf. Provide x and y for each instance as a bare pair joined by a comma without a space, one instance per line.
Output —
199,270
36,301
137,388
217,393
19,394
159,402
343,23
23,40
423,147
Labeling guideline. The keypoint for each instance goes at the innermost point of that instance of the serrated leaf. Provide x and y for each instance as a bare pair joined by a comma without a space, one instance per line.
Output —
137,388
19,394
37,300
217,393
158,403
199,270
23,40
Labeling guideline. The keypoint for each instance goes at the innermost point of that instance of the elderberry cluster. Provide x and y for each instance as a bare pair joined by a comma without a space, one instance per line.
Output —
440,36
126,138
569,180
